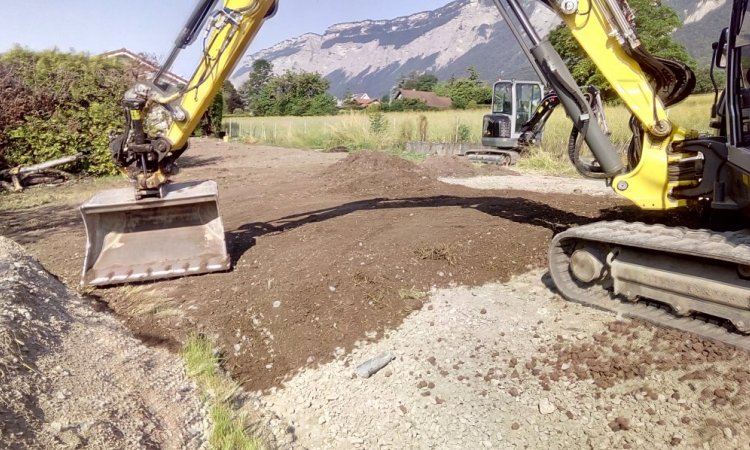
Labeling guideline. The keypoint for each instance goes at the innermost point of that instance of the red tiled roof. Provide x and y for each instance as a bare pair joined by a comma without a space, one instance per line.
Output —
432,99
125,53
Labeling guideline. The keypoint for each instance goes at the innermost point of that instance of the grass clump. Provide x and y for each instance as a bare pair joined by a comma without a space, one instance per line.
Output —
441,253
228,428
411,294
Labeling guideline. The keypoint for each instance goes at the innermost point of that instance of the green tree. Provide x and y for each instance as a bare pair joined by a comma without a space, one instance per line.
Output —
56,104
295,94
654,23
417,81
466,92
232,99
260,75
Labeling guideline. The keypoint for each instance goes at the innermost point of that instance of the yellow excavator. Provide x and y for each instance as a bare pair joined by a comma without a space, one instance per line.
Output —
693,280
159,229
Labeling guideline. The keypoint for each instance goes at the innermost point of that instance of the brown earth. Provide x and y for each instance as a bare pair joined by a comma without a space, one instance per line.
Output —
326,247
458,167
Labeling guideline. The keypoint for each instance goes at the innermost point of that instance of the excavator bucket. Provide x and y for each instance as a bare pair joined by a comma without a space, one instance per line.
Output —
176,235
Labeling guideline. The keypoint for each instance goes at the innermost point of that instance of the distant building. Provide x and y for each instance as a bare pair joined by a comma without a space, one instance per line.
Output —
363,99
360,101
430,98
143,69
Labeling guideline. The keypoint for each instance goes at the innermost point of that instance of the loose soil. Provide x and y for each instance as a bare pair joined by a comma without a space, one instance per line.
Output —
459,167
327,248
71,376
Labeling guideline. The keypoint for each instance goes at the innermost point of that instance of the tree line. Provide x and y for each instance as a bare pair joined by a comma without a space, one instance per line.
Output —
288,94
305,93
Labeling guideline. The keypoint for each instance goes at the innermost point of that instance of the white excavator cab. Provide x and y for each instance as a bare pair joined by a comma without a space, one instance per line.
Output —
513,104
177,234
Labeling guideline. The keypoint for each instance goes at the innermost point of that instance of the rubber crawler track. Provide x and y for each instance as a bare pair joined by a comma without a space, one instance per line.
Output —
732,247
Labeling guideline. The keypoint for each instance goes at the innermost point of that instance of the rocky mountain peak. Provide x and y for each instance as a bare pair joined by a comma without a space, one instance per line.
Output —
370,55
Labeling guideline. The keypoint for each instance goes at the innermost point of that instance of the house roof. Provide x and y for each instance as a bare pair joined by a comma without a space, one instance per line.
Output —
365,101
432,99
127,54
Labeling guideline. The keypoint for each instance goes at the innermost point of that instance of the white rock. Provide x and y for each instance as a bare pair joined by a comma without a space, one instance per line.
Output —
546,407
56,427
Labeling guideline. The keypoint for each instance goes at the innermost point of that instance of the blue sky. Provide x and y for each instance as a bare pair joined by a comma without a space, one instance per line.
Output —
96,26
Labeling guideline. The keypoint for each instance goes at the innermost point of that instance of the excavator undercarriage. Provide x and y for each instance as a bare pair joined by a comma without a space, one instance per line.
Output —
693,280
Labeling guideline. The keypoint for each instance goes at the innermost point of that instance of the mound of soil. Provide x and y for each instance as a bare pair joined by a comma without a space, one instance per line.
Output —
459,167
371,172
449,166
71,377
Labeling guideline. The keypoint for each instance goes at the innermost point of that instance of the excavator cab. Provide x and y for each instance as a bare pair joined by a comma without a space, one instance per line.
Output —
513,104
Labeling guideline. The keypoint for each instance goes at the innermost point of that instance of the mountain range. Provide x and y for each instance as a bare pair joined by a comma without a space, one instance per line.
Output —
369,56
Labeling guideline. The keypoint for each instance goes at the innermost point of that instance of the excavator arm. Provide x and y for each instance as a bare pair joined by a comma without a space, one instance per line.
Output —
605,31
148,156
531,130
160,229
671,276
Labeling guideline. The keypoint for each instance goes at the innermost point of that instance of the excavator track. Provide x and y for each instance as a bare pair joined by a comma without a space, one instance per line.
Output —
709,247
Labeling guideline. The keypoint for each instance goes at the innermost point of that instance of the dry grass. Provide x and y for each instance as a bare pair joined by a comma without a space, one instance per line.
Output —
352,130
411,294
440,253
148,302
75,191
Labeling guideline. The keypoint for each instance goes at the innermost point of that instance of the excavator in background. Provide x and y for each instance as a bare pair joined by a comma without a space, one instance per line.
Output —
692,280
512,103
511,128
158,229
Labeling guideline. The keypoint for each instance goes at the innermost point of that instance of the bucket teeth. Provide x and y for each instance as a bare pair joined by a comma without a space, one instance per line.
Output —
176,235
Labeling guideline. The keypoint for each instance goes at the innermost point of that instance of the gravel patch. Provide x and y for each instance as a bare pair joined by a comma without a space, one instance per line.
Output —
536,183
73,377
514,366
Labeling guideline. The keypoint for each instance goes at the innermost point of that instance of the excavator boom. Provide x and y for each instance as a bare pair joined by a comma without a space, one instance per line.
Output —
687,279
159,229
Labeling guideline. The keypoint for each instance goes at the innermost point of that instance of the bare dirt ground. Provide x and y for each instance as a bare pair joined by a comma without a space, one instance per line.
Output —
331,252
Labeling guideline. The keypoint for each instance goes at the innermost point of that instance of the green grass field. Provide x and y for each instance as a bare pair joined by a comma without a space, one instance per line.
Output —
354,130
